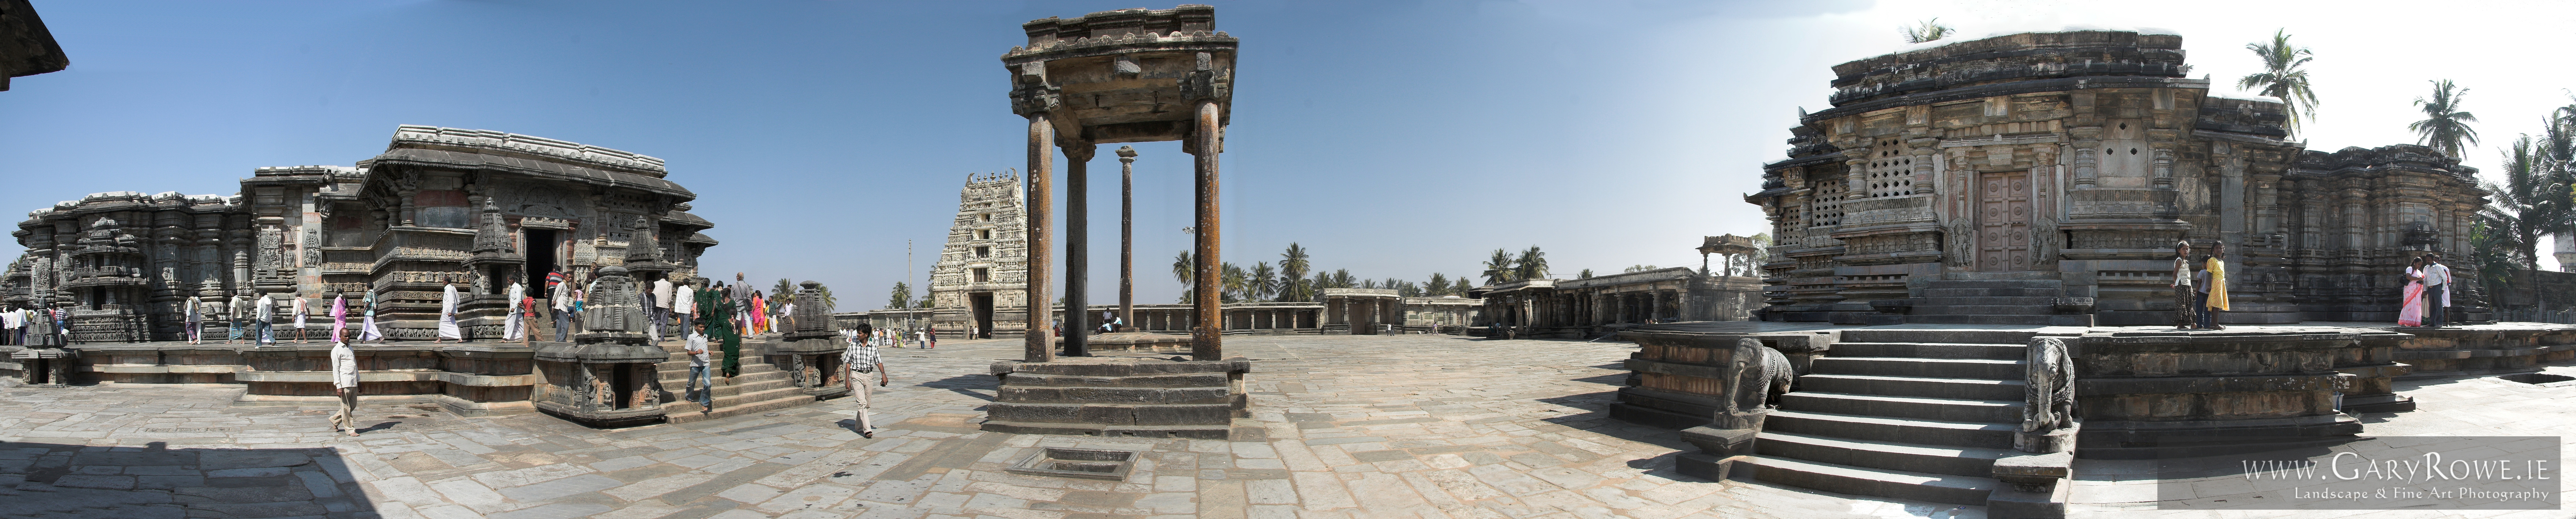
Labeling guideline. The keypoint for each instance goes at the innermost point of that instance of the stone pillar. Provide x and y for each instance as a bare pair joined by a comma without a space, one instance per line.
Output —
1039,344
1207,140
1127,235
1077,250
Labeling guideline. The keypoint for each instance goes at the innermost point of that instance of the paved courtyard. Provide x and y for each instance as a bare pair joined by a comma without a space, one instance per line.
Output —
1344,426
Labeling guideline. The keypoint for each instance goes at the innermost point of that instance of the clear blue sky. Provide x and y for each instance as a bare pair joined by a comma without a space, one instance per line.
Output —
1394,139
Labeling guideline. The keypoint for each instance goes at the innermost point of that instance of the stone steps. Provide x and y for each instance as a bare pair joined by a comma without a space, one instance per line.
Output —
1957,409
1909,457
1907,414
1992,292
1927,349
1929,387
2040,320
1887,429
1919,486
1998,369
2047,301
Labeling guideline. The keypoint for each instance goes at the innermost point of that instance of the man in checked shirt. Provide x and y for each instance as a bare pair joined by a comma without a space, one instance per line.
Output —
862,359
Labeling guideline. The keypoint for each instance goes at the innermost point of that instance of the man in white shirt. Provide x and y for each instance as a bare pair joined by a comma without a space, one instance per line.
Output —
563,311
697,351
344,378
265,326
662,304
684,306
862,359
2437,290
299,318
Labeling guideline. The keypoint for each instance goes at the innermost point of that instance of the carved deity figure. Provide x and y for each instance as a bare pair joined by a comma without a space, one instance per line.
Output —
614,306
2049,395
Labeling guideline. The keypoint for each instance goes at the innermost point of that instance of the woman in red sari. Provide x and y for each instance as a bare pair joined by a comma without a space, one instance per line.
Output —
759,313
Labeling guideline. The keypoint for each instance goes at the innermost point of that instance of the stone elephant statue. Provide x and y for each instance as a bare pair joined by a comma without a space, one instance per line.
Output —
2048,398
1761,375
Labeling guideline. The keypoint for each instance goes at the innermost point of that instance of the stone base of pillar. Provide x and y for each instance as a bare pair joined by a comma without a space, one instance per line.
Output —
1128,340
1144,397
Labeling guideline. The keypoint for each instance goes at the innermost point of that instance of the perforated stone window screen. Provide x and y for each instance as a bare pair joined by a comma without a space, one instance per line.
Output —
1068,462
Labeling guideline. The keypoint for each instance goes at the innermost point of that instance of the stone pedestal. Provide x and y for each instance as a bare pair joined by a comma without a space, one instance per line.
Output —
1719,447
603,385
2145,394
1129,340
812,360
1149,397
45,366
1677,378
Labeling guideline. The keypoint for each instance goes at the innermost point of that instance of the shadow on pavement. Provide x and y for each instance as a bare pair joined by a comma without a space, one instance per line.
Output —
154,481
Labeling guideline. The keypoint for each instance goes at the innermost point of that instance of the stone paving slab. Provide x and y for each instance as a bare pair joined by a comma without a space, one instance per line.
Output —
1342,427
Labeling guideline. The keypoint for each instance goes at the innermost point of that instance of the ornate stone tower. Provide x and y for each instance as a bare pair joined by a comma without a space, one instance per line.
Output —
981,280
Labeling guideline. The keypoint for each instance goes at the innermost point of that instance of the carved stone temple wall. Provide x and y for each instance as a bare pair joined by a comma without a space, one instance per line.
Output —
2080,158
475,208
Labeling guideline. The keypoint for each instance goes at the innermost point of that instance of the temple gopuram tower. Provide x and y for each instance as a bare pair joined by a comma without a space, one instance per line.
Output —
981,280
2044,178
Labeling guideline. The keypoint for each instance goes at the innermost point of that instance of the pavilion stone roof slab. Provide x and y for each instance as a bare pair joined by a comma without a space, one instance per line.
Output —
534,167
1128,75
26,47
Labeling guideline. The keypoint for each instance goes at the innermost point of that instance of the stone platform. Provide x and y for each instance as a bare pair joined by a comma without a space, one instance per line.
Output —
1131,396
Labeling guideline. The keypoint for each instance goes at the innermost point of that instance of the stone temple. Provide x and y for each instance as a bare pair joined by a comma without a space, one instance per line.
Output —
2062,167
981,280
475,208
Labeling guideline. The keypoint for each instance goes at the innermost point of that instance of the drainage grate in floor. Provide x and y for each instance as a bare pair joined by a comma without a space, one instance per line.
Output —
1068,462
2537,378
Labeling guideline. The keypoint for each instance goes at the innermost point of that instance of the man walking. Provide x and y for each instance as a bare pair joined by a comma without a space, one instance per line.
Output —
344,378
862,359
662,307
264,330
697,350
562,298
2437,290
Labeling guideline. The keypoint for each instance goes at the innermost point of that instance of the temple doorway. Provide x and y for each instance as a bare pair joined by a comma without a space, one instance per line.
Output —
2003,222
980,305
541,260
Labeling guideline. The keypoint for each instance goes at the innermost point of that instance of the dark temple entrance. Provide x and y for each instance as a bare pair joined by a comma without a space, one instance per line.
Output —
980,305
541,260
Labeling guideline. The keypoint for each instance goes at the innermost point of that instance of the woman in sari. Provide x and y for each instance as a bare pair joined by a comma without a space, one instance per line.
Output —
2410,310
759,313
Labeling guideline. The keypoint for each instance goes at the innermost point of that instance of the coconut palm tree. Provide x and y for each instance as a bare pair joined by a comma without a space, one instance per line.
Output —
1927,30
1265,282
1499,270
901,297
1342,279
2533,203
1532,264
2445,127
1293,265
1439,285
1234,281
1183,269
2283,78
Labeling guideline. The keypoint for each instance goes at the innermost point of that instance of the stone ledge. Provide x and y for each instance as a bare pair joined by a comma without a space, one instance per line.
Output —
1203,432
2108,386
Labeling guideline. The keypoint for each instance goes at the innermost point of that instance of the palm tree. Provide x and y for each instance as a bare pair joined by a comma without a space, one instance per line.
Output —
1265,282
1532,263
2282,78
2494,251
1323,280
2445,127
1585,274
1927,30
1183,270
1342,279
1233,281
1439,285
902,296
2533,203
1499,269
1292,271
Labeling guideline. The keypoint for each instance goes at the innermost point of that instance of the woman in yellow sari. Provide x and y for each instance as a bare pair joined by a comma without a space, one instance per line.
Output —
2213,293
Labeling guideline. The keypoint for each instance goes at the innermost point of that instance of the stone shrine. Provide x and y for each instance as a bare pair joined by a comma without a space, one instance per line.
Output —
2043,178
474,208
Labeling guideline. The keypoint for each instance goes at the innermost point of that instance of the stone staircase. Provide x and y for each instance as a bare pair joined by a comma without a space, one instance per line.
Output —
1907,414
761,386
1997,298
